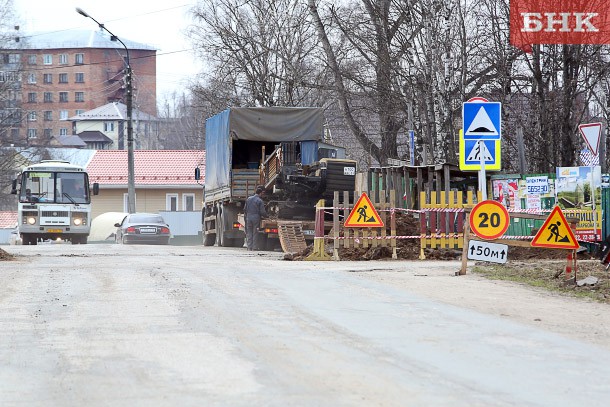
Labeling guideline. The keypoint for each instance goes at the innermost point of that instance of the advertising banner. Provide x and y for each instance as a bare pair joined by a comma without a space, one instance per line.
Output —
575,188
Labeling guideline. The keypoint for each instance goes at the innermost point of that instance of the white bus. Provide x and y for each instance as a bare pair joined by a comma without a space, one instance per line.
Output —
54,202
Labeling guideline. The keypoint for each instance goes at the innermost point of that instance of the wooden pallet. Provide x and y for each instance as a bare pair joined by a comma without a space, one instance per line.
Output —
291,236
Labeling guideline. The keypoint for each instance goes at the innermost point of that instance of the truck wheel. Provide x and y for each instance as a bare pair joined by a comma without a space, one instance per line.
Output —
219,231
209,239
223,241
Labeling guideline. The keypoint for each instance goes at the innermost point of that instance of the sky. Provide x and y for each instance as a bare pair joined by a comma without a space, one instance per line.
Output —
159,23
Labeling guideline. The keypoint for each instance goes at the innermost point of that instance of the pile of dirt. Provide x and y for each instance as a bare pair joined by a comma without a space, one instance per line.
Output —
406,249
5,256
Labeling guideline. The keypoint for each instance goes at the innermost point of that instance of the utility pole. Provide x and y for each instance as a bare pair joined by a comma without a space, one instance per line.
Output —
131,182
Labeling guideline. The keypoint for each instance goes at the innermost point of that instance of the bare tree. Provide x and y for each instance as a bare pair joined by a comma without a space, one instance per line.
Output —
260,50
362,62
181,123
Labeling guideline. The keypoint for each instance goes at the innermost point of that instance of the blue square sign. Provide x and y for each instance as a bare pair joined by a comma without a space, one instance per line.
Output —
482,120
474,151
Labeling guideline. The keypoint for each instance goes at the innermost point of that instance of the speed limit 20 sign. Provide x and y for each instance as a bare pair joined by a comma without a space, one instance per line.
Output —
489,219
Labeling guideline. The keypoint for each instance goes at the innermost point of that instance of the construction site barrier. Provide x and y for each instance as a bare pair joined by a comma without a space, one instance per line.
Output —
442,225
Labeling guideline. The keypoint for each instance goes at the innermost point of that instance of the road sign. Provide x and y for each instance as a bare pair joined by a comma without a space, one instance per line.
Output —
486,251
482,120
591,133
555,233
489,219
363,214
471,151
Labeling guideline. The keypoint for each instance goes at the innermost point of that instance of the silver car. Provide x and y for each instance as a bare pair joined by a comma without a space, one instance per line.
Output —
146,228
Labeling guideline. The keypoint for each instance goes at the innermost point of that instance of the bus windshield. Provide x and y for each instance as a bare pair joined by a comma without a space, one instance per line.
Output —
54,187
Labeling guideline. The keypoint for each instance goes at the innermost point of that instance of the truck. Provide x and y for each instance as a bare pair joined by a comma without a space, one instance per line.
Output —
54,202
282,149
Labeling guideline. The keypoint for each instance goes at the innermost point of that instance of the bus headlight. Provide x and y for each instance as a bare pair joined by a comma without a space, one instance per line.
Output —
31,220
77,221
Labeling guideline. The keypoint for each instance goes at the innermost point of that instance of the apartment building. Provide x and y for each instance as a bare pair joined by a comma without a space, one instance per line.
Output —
66,73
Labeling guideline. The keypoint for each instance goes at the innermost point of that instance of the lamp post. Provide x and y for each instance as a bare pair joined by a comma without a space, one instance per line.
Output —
131,184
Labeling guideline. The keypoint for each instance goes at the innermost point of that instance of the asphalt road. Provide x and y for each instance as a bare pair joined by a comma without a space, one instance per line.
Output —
111,325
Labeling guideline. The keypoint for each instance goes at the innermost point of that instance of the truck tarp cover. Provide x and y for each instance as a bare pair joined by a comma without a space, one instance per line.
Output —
263,124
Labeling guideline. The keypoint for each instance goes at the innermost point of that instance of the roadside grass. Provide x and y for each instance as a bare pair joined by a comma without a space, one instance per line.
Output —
550,275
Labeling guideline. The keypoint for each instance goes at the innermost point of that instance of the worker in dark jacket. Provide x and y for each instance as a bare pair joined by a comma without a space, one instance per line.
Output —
254,211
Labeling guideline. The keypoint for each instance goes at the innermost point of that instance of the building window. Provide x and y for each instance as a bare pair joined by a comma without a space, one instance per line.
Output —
48,115
63,132
47,133
63,97
32,116
10,76
79,59
47,78
14,133
32,97
63,115
48,97
79,77
188,202
32,59
63,78
32,133
32,78
79,111
79,96
14,58
63,59
108,126
47,59
171,202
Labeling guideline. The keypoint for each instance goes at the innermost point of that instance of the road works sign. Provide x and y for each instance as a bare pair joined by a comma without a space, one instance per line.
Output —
486,251
482,120
489,219
363,215
555,233
591,133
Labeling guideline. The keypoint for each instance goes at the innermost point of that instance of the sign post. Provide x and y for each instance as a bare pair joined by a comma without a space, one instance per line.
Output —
482,176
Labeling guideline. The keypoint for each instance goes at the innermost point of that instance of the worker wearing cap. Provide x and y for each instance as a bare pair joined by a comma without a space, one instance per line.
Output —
254,211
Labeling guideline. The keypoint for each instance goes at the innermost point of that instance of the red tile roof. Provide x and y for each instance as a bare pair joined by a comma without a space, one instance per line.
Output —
152,167
8,219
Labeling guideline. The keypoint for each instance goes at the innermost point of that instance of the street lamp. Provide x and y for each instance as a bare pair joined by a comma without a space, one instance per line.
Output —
131,184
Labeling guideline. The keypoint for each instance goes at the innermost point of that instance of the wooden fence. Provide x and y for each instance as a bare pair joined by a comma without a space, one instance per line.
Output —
442,218
363,237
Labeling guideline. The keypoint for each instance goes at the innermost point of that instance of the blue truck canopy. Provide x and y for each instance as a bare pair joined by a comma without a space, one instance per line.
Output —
263,124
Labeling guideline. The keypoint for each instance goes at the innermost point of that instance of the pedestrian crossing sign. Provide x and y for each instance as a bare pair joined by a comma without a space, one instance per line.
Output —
555,233
471,152
363,215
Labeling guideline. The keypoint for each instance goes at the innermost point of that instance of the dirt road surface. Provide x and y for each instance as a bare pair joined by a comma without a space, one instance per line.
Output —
100,325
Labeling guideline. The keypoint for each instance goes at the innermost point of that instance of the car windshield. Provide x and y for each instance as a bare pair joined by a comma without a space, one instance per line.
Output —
145,219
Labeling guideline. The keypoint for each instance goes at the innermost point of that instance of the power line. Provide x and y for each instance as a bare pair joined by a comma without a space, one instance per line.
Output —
116,19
